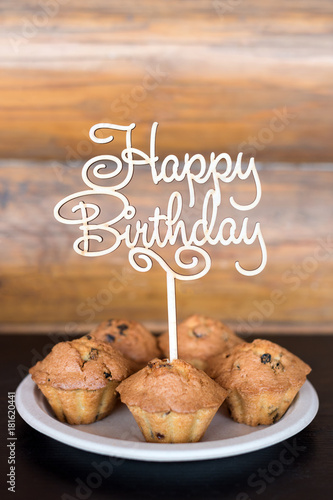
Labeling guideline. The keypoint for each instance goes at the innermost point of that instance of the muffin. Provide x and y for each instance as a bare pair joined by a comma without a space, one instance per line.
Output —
199,338
171,402
262,379
132,339
79,379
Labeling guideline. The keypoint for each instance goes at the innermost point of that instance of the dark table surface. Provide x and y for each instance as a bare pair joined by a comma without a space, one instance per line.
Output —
47,469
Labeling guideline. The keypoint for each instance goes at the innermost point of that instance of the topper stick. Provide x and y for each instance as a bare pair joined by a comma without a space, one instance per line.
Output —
171,294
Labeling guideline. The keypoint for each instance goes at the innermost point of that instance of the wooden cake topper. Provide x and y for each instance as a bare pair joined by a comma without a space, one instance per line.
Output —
168,228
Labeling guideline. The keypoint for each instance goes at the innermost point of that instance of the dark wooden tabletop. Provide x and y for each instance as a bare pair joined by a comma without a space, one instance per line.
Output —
47,469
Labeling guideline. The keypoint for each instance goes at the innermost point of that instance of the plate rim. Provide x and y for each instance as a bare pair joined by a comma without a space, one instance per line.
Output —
291,423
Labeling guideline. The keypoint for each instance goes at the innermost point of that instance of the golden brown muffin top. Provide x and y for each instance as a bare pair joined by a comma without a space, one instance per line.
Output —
258,367
132,339
84,363
178,386
200,337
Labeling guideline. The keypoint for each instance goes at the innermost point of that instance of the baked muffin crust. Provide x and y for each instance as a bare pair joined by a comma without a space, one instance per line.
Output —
131,338
262,378
178,386
199,338
84,363
258,367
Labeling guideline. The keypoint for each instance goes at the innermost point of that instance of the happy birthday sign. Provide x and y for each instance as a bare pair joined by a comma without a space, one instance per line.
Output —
167,228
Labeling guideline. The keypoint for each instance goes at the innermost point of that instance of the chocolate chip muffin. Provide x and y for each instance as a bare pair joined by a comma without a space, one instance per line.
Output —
131,338
262,379
79,379
199,338
171,402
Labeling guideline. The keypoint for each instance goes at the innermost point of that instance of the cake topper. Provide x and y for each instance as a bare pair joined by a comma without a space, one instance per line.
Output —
112,174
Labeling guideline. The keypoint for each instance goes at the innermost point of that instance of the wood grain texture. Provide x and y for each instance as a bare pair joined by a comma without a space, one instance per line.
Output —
44,280
213,73
218,76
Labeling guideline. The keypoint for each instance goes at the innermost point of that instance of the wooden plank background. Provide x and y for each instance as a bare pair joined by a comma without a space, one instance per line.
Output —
217,76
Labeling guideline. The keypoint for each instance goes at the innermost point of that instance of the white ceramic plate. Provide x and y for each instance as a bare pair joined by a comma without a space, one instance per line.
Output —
118,435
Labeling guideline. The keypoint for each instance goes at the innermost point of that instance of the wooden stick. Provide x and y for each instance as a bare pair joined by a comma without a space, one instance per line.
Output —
172,317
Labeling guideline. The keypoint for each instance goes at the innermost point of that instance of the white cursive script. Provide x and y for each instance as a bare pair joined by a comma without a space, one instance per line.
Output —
168,228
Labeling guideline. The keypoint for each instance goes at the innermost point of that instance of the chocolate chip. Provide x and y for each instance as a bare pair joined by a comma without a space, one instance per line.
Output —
49,380
89,337
277,367
110,322
198,334
159,436
166,365
167,412
121,328
266,358
107,375
93,353
275,418
227,356
162,364
110,338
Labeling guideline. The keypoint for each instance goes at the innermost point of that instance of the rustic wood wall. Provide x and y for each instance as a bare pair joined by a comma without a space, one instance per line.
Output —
218,76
